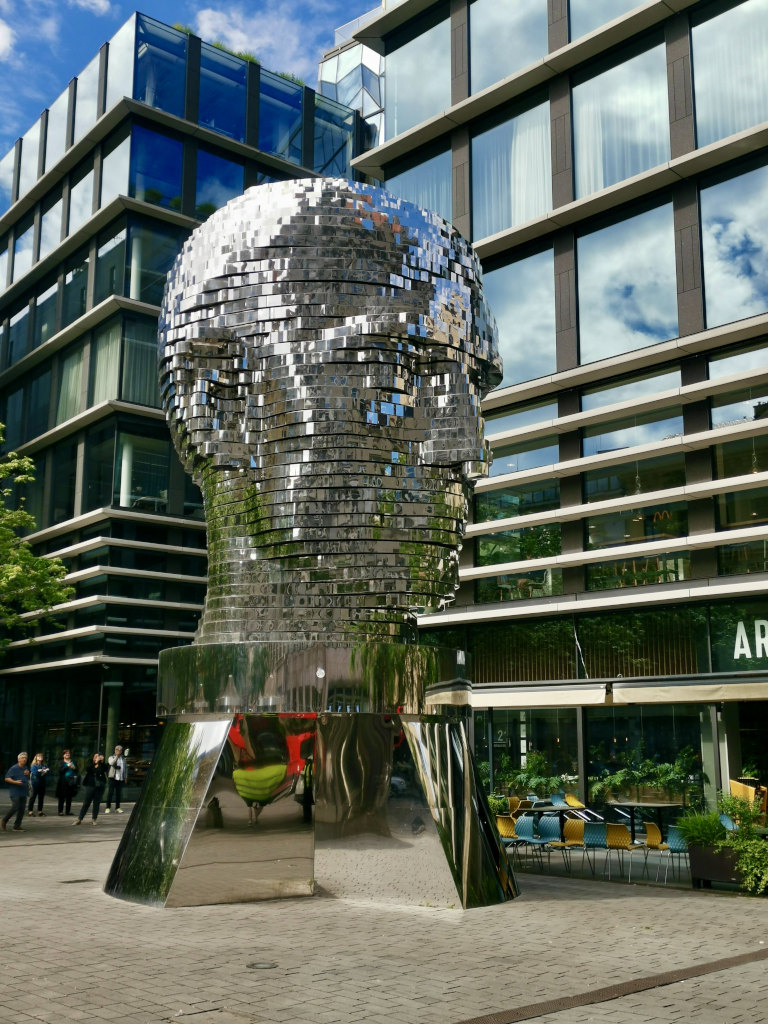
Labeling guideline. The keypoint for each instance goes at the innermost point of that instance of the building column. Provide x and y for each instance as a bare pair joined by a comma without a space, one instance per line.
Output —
112,691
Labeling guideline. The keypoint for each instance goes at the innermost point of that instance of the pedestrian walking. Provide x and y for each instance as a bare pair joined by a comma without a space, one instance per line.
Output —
38,780
67,783
17,778
94,781
117,774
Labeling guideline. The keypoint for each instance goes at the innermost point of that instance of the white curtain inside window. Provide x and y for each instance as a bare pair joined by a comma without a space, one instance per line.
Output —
511,172
140,383
70,386
105,364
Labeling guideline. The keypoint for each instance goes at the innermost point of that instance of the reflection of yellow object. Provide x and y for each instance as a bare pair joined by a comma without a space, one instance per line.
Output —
258,783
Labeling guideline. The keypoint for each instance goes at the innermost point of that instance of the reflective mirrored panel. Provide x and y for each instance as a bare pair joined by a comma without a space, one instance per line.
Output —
587,15
734,234
511,171
418,75
730,69
620,120
627,285
504,38
334,127
522,298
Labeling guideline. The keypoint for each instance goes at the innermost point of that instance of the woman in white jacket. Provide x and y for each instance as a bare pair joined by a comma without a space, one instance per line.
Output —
118,773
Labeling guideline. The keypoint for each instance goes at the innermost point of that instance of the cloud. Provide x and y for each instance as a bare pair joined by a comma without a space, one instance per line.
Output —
7,36
93,6
286,35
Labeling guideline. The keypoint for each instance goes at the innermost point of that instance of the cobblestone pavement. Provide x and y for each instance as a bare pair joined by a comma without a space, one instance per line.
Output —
69,952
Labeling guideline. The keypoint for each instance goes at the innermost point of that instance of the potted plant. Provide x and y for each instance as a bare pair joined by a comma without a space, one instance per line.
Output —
710,862
746,843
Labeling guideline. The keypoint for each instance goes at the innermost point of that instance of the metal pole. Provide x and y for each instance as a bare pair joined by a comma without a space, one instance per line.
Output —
98,731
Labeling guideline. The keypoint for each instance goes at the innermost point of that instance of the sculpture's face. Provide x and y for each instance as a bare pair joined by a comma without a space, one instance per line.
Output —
328,316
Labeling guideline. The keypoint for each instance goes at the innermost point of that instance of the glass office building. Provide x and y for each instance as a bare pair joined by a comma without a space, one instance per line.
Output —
157,132
609,160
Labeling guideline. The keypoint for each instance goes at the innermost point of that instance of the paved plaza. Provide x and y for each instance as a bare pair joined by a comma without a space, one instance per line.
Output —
568,951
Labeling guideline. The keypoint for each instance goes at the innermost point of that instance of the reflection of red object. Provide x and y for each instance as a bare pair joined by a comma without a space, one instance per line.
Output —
283,740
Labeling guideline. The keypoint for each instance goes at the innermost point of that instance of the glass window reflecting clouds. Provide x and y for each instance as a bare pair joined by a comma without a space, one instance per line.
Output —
511,172
522,298
218,181
427,184
504,38
80,197
280,116
418,82
742,406
222,92
30,154
75,287
521,416
627,389
634,477
734,228
22,249
334,126
56,132
632,431
730,71
87,98
6,180
587,15
120,63
621,121
161,57
50,225
738,360
156,168
627,285
115,166
512,458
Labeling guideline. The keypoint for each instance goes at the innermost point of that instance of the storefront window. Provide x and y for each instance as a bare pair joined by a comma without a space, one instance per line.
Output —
155,168
513,458
418,78
739,635
87,98
639,572
620,120
734,227
161,66
522,298
427,184
280,116
730,70
218,181
627,285
634,526
504,38
222,92
511,172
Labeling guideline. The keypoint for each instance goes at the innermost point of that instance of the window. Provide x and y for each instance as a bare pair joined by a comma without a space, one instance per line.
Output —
38,404
518,545
152,248
13,417
737,559
18,335
63,481
50,224
737,458
742,406
632,526
99,466
75,287
741,360
522,298
334,135
734,228
418,75
218,181
56,141
520,416
22,249
80,197
87,98
504,38
155,168
105,363
730,70
587,15
70,401
628,389
161,65
120,58
3,265
427,184
514,458
639,571
115,167
742,508
627,285
222,92
541,496
637,477
511,171
142,470
519,586
632,431
140,381
6,180
45,314
280,116
30,155
110,264
620,121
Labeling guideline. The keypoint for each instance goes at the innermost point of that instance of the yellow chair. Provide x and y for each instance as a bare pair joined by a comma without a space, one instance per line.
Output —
619,840
514,803
506,827
573,801
653,841
573,838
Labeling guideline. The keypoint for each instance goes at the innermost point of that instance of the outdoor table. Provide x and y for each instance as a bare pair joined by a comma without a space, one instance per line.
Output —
641,805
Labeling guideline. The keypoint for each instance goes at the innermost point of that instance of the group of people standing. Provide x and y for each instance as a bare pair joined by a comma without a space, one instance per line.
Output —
27,785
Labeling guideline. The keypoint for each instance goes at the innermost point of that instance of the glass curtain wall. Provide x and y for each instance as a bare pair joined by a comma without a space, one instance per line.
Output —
222,92
587,15
161,66
280,116
504,38
418,76
427,183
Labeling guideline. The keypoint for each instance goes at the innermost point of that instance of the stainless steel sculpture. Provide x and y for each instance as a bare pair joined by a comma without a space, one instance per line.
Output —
324,347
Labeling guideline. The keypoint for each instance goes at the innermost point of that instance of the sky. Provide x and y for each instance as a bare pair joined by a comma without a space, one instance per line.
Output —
45,43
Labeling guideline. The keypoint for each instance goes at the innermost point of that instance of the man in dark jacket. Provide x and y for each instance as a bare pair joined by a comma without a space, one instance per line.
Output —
17,779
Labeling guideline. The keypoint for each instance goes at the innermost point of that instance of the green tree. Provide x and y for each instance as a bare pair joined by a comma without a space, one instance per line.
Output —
28,583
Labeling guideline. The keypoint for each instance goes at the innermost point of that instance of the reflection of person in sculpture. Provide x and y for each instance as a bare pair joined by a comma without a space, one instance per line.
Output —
324,349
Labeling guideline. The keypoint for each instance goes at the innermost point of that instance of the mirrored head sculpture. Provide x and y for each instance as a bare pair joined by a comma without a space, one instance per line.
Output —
324,347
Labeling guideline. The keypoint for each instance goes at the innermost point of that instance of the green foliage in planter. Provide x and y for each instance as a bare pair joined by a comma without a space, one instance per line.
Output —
498,804
749,846
536,776
701,829
676,778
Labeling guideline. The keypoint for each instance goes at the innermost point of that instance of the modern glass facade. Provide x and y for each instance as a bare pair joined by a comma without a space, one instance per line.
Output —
96,200
616,571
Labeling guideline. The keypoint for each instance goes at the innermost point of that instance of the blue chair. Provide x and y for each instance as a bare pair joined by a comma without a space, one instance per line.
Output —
677,848
728,823
594,839
558,799
549,829
524,826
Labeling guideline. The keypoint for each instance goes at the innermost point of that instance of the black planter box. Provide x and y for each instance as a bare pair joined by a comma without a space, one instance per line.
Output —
709,865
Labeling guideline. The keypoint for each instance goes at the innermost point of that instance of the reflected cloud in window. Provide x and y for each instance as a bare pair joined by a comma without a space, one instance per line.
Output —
627,285
522,298
504,38
734,227
587,15
427,183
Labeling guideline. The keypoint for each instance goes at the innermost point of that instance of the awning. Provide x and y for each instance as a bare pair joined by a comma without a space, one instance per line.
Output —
687,691
574,694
